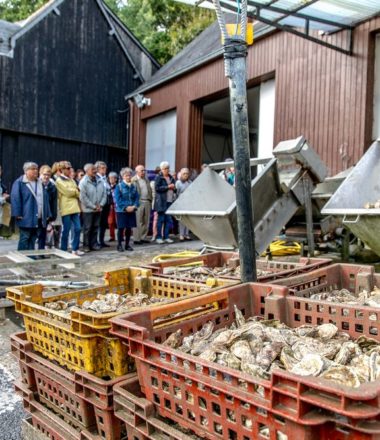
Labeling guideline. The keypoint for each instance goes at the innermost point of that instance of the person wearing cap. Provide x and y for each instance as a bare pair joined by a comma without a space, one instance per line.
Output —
30,206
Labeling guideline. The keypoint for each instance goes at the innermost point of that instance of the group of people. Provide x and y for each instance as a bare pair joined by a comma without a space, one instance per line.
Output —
53,205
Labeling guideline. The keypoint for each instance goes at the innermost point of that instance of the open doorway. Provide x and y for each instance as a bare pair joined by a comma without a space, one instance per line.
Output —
217,134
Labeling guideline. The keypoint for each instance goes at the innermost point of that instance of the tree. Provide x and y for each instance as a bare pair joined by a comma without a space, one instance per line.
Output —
15,10
164,27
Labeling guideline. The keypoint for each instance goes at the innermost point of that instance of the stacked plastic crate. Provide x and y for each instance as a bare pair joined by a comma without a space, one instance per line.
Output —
216,402
70,362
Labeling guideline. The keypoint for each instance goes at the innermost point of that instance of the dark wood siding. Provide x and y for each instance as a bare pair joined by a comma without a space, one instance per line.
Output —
320,93
17,148
68,79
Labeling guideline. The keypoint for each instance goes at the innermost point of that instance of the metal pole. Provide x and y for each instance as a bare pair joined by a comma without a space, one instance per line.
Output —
309,217
235,52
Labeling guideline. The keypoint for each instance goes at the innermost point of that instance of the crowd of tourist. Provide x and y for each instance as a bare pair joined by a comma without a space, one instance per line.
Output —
53,206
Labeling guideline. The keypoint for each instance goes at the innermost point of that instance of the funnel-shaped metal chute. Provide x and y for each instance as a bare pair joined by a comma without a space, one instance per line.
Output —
208,209
360,187
208,206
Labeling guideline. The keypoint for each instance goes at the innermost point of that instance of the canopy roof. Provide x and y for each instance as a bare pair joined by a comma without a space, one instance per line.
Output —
305,17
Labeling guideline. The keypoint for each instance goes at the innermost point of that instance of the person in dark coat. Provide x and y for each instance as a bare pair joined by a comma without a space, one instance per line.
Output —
30,205
127,202
101,172
165,194
45,176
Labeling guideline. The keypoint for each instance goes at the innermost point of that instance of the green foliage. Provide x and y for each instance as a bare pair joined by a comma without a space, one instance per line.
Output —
164,27
15,10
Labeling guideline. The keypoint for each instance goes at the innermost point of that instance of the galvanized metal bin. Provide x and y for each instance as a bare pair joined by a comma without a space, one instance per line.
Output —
208,207
361,186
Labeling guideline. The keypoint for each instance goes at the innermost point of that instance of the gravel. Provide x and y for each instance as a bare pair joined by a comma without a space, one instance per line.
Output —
11,408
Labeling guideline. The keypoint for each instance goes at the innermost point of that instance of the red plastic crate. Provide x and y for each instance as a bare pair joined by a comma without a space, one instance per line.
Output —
279,269
353,319
57,389
231,404
354,277
139,415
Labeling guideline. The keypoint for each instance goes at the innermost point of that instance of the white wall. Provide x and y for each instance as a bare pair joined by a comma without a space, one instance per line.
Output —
161,140
266,119
376,92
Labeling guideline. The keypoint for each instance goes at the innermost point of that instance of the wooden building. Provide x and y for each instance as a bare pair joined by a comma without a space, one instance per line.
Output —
64,73
295,86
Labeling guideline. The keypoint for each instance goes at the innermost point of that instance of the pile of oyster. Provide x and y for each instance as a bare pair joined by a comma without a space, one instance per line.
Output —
364,298
258,347
371,205
202,273
110,302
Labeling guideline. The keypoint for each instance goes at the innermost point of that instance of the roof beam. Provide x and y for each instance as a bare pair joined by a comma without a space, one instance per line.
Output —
297,14
295,10
295,31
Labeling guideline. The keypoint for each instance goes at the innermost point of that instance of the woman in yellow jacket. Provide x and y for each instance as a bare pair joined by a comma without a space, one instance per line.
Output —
68,203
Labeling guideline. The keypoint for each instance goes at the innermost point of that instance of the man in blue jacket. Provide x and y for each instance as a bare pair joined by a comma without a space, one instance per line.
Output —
30,205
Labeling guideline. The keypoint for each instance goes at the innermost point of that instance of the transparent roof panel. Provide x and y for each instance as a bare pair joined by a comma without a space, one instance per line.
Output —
293,12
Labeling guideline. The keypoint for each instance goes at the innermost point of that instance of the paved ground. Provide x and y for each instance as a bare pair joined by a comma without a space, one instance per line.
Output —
95,263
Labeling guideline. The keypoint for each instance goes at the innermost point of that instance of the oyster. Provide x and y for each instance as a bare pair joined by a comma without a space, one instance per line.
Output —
310,365
327,331
200,347
366,344
187,343
305,346
287,358
241,349
258,347
342,375
174,340
307,330
240,320
268,354
374,366
249,366
208,355
347,351
227,359
204,333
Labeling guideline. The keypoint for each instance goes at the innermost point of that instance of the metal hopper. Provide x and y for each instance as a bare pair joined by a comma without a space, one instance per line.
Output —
208,206
361,186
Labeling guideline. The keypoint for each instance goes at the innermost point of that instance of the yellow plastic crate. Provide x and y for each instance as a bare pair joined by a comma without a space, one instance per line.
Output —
80,340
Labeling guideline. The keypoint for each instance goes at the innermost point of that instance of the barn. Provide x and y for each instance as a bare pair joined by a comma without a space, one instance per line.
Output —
314,72
64,73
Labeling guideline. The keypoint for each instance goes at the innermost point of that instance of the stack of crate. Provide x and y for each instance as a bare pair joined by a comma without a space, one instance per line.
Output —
189,397
70,362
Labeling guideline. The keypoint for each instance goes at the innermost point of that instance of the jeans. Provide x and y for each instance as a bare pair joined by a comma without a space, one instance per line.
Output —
41,237
164,221
91,222
27,240
67,221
